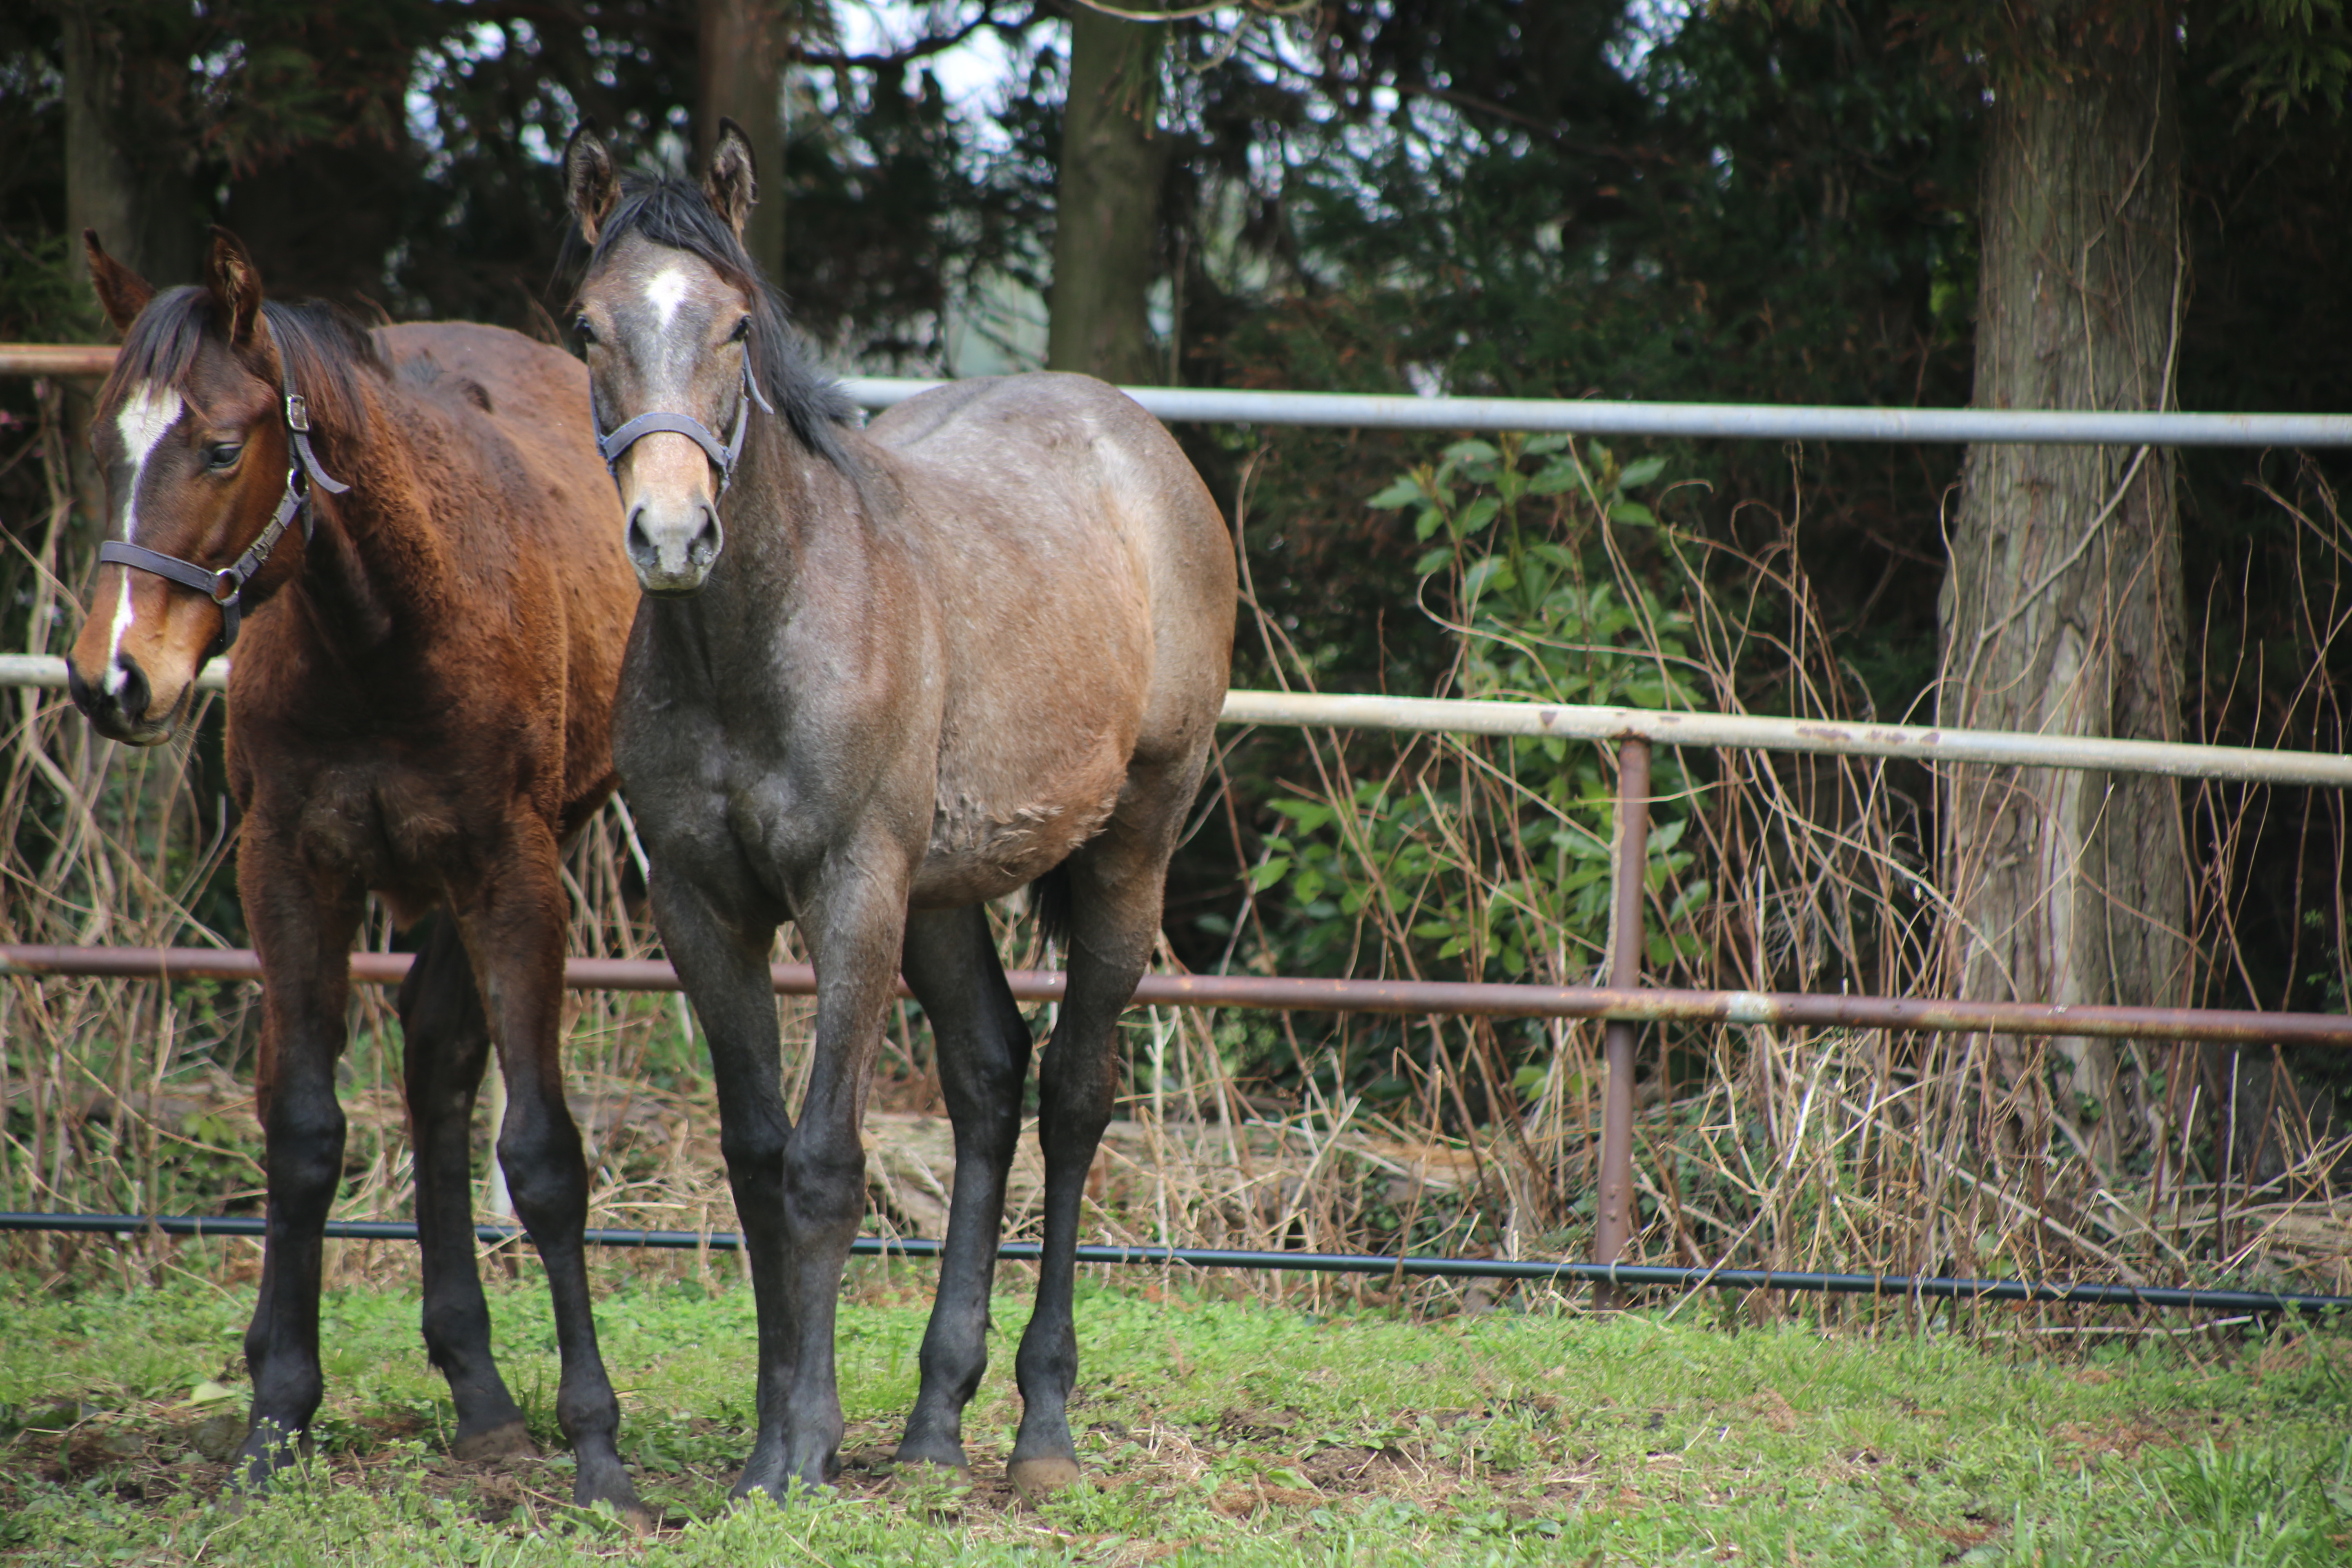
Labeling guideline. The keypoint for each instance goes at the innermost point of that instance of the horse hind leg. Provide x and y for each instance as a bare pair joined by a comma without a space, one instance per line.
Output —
446,1039
1115,886
983,1046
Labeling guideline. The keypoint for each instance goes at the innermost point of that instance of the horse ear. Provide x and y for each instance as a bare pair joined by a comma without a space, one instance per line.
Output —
590,187
236,285
732,182
121,293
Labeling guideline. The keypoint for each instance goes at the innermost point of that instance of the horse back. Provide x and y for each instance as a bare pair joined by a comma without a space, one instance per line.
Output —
1081,583
534,533
1053,513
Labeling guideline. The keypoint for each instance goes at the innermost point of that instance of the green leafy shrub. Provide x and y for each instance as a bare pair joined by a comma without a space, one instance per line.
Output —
1489,858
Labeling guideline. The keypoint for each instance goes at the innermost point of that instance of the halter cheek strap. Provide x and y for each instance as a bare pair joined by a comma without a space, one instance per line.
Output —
224,585
723,457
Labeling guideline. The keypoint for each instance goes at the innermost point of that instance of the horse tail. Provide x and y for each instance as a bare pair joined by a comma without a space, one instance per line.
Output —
1049,901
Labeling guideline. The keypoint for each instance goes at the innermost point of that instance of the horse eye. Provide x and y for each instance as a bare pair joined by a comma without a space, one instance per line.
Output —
587,333
223,454
742,333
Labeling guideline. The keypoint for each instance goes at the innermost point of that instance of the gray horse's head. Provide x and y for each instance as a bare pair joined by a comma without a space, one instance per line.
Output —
686,347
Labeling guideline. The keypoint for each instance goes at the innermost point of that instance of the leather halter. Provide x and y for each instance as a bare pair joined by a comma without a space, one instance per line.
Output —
224,585
722,457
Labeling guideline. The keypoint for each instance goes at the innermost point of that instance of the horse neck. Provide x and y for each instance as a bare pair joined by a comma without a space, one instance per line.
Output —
788,504
798,538
371,566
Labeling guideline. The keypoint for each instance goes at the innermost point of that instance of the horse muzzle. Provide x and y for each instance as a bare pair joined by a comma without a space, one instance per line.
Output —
673,548
122,703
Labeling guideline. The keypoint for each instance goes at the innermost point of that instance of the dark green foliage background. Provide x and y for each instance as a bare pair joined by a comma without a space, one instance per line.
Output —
1767,202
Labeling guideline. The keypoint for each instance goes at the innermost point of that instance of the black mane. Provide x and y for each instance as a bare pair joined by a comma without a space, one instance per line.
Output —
320,350
673,213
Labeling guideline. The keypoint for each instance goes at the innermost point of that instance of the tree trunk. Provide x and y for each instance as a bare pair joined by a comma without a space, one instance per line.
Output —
2062,613
742,50
1107,200
128,173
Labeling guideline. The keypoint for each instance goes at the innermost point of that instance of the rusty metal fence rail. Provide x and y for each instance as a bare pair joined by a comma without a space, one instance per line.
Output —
1624,1003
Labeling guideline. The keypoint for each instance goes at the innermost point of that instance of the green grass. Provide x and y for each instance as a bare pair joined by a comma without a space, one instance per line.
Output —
1216,1431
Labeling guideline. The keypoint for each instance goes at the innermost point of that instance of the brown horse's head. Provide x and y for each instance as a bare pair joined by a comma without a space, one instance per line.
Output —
686,345
190,434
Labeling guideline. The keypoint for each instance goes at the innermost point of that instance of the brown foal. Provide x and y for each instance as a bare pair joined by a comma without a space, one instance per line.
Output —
414,534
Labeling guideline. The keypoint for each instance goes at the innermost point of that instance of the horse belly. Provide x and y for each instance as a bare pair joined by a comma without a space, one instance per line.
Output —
982,848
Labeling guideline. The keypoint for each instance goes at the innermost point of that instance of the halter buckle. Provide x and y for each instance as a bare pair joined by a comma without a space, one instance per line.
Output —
297,413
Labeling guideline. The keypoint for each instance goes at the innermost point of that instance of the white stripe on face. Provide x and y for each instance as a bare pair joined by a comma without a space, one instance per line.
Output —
665,291
145,417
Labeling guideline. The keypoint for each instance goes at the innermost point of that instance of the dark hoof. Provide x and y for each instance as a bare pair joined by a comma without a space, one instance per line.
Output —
925,1474
761,1483
508,1440
638,1521
269,1448
1037,1480
778,1489
609,1483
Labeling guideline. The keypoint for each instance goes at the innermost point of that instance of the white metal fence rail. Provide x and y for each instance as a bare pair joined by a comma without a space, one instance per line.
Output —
1716,421
1581,416
1736,731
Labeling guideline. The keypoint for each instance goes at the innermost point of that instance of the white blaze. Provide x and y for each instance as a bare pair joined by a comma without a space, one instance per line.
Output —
146,415
665,291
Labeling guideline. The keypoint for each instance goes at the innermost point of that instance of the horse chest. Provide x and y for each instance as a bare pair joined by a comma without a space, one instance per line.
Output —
400,831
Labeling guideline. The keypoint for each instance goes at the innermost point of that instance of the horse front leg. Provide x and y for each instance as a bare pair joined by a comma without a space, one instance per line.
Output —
855,926
447,1041
304,937
722,962
513,925
983,1055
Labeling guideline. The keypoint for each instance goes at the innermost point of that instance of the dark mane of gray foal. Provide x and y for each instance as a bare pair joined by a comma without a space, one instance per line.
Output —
675,212
321,351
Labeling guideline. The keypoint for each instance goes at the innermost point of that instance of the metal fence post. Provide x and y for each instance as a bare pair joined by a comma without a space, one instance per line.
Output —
1613,1221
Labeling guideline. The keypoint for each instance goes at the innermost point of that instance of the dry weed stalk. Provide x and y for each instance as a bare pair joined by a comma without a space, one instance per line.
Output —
1755,1147
1832,1149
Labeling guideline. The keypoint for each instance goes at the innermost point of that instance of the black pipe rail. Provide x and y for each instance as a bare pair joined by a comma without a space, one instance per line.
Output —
1619,1276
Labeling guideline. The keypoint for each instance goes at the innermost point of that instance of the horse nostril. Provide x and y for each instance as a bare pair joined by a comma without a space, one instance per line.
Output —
85,696
637,544
133,696
706,540
123,695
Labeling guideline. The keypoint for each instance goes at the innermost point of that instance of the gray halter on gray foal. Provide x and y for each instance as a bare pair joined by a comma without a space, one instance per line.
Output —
722,458
224,585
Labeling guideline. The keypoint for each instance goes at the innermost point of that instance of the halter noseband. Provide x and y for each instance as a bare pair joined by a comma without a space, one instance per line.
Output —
722,457
224,585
